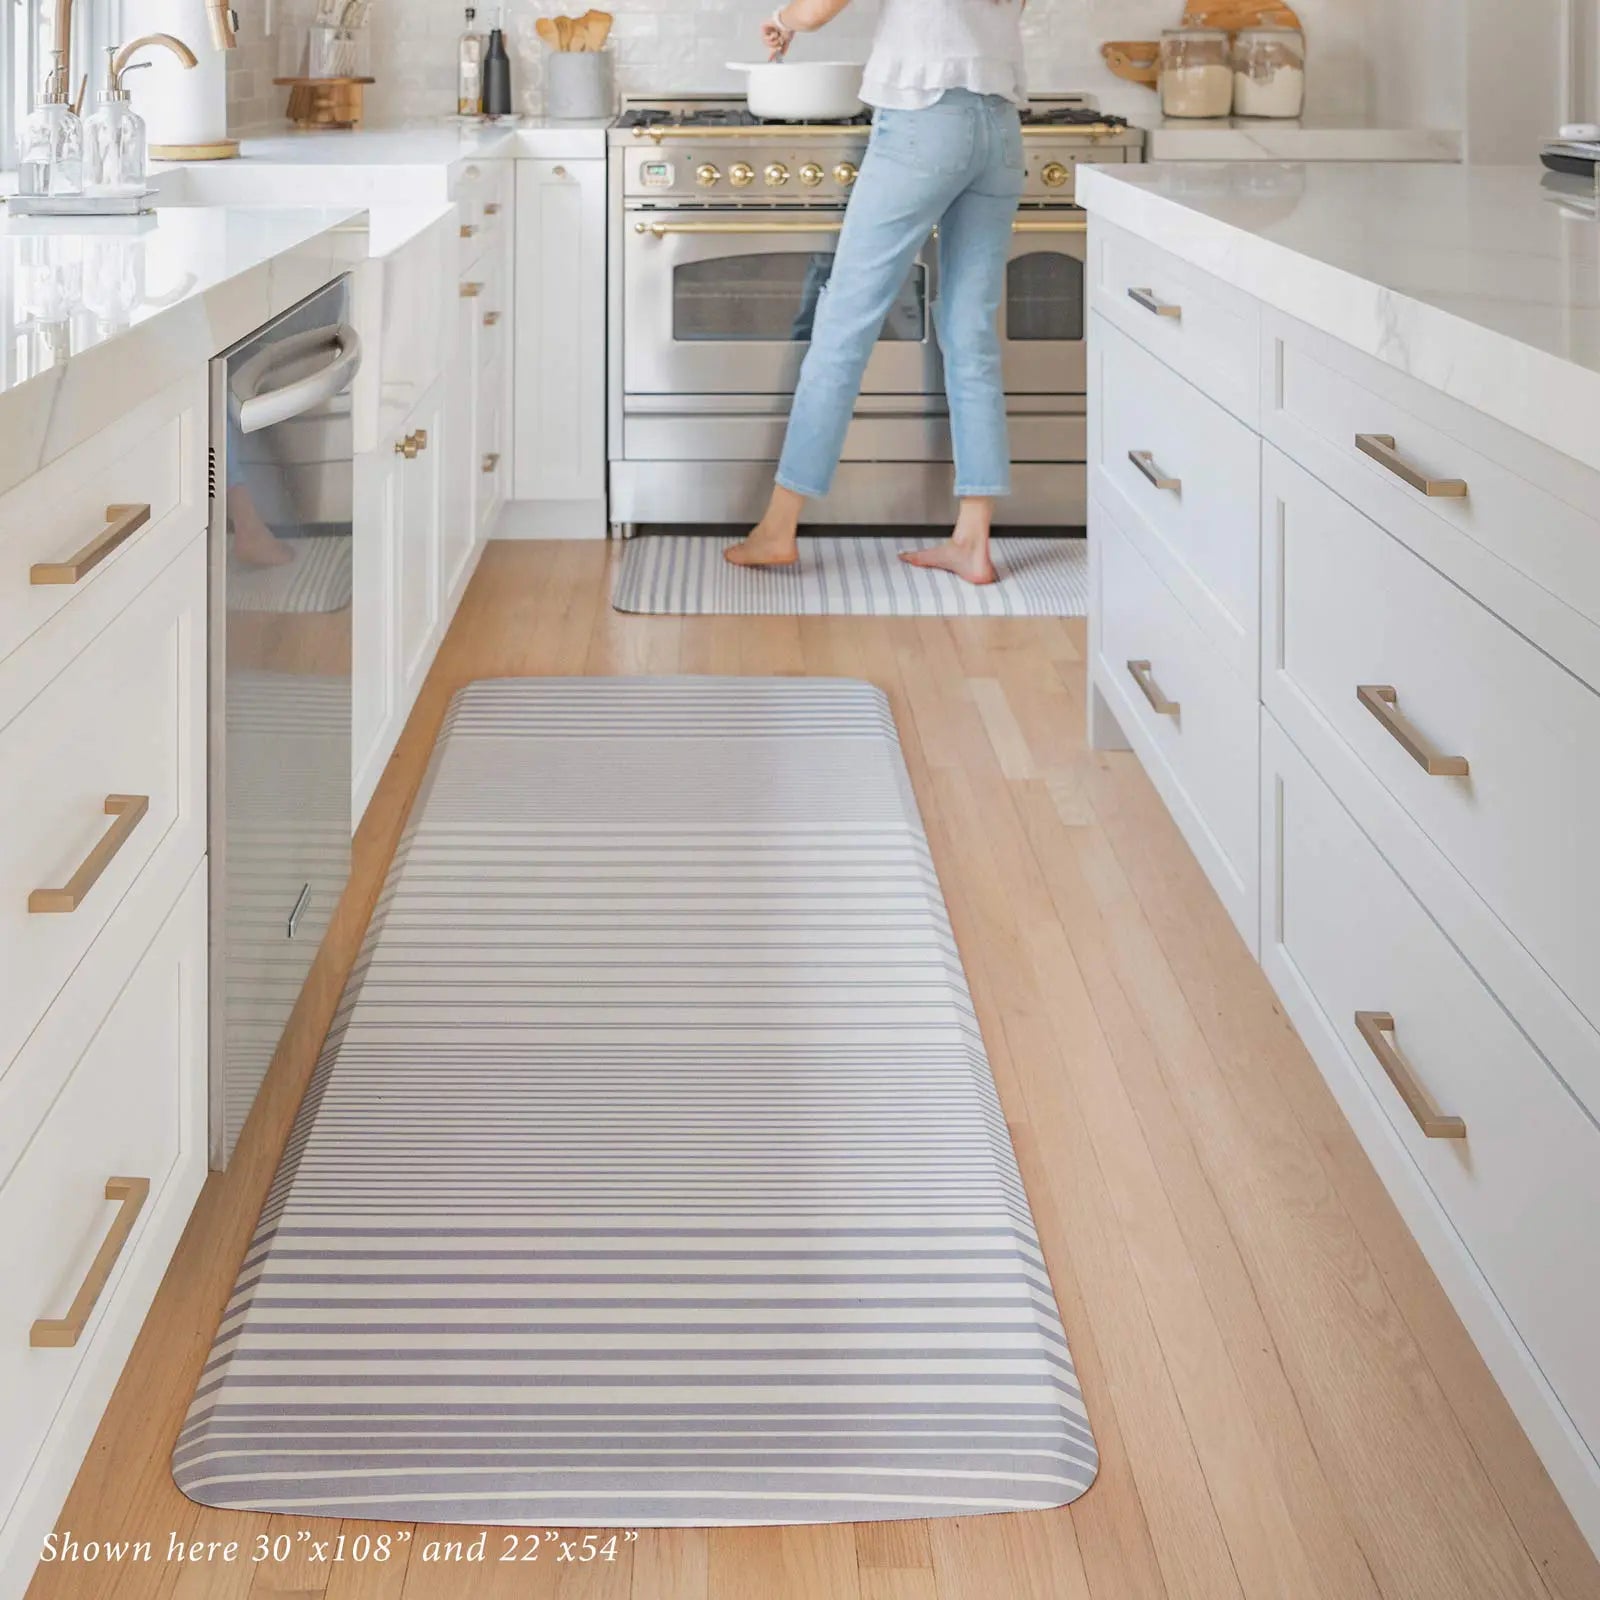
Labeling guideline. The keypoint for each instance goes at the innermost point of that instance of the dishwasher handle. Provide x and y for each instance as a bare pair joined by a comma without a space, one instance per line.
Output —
305,394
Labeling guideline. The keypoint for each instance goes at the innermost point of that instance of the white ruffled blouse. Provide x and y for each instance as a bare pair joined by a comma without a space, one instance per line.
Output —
924,47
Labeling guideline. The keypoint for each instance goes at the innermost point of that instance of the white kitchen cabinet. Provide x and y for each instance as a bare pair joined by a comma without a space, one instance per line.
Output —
418,457
1418,744
559,447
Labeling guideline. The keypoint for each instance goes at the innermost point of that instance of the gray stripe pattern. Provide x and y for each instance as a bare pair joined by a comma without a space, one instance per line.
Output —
845,575
318,579
653,1173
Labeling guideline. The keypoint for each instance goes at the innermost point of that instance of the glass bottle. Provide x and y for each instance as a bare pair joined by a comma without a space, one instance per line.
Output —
1196,77
496,75
50,144
469,70
1269,72
114,139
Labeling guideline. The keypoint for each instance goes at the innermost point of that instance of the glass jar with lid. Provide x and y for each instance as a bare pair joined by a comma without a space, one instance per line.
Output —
1195,76
1269,72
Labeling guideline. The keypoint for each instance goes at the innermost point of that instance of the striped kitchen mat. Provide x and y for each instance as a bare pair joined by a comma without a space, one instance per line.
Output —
318,579
683,574
653,1172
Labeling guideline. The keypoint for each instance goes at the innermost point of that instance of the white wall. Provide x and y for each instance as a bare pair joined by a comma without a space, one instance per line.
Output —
664,45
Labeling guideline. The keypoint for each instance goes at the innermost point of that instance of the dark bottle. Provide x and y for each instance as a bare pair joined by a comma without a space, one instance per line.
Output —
496,76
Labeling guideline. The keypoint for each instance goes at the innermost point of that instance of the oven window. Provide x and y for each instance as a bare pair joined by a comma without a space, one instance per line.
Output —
771,298
1044,297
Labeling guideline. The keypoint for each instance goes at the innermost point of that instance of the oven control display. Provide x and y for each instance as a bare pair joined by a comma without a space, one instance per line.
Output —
656,174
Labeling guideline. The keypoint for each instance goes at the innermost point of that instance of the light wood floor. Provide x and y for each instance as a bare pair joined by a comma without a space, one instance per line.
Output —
1286,1405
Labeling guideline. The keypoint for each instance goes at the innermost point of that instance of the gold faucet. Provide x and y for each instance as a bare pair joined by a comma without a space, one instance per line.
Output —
224,21
119,61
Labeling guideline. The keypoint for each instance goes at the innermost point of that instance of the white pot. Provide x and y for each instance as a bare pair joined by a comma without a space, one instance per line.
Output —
802,91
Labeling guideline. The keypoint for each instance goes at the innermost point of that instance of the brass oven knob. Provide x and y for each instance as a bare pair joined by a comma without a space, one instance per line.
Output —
811,174
1055,175
741,174
844,174
707,176
776,175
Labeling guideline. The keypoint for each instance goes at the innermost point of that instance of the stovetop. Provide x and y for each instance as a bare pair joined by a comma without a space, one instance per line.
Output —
695,111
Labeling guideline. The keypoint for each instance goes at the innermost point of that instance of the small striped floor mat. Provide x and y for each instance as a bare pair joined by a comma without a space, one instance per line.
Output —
683,574
653,1172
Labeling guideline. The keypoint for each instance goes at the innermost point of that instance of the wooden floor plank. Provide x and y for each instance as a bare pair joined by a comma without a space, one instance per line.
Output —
1285,1403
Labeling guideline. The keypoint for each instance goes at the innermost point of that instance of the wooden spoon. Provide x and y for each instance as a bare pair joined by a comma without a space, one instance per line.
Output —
564,33
599,29
547,31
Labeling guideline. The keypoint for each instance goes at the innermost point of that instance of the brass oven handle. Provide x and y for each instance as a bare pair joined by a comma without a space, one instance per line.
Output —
1380,447
1380,699
659,230
121,523
1147,299
129,810
51,1333
1146,463
471,291
1024,225
491,461
1377,1028
785,130
490,318
1159,703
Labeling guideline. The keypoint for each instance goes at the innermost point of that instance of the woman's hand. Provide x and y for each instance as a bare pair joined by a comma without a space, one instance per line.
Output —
777,35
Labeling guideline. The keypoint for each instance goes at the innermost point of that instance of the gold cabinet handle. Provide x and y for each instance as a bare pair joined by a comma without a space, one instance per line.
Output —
558,172
1160,308
421,436
51,1333
490,318
129,810
1159,703
468,231
408,447
471,291
1377,1028
492,209
1380,699
1146,463
1381,448
122,522
491,461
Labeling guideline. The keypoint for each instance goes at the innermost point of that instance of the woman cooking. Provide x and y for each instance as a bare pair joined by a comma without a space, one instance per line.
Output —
946,150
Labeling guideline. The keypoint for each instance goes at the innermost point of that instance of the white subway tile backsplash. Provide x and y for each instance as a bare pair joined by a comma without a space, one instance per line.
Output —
662,46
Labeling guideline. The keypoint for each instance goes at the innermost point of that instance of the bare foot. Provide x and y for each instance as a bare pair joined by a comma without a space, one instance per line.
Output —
764,547
254,543
966,561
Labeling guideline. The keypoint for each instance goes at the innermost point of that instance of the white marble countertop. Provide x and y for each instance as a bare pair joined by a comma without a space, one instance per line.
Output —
437,144
95,314
1478,281
1297,139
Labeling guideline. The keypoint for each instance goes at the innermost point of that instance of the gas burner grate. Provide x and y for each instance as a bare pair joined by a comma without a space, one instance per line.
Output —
1070,117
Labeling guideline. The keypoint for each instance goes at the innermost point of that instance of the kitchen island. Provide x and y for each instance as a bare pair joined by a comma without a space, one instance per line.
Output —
1345,607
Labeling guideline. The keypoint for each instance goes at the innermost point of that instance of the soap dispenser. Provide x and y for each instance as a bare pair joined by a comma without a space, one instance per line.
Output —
114,136
50,145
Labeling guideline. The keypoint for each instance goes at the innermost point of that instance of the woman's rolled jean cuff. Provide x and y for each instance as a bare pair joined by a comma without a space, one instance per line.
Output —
804,493
982,494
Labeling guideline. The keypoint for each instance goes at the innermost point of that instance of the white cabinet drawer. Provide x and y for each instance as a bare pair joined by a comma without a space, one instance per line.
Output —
122,504
1186,477
1190,718
482,192
1522,1188
1348,606
1524,537
1205,330
126,718
133,1106
415,309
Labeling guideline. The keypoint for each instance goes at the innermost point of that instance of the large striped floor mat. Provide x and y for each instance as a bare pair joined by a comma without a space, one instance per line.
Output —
653,1172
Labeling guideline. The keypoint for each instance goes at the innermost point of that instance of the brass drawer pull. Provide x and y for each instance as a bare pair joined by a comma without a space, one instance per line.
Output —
492,209
121,523
490,318
471,291
1151,691
491,461
468,230
1380,446
1146,463
1377,1028
421,436
408,447
129,810
1380,699
51,1333
1161,308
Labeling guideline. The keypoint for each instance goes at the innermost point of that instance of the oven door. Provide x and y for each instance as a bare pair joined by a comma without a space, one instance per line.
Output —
1042,315
724,303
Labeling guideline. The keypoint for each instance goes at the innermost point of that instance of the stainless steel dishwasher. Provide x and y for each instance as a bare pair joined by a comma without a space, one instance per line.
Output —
282,481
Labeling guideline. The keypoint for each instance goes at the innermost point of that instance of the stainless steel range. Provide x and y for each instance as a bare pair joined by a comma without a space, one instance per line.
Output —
722,235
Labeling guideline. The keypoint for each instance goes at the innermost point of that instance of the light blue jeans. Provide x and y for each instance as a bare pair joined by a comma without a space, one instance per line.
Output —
959,166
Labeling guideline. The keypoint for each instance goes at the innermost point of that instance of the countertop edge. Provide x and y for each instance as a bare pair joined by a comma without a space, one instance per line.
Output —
1540,394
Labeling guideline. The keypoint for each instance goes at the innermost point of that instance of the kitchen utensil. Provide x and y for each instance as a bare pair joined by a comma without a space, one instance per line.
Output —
1136,60
802,91
1139,60
599,29
546,29
564,33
